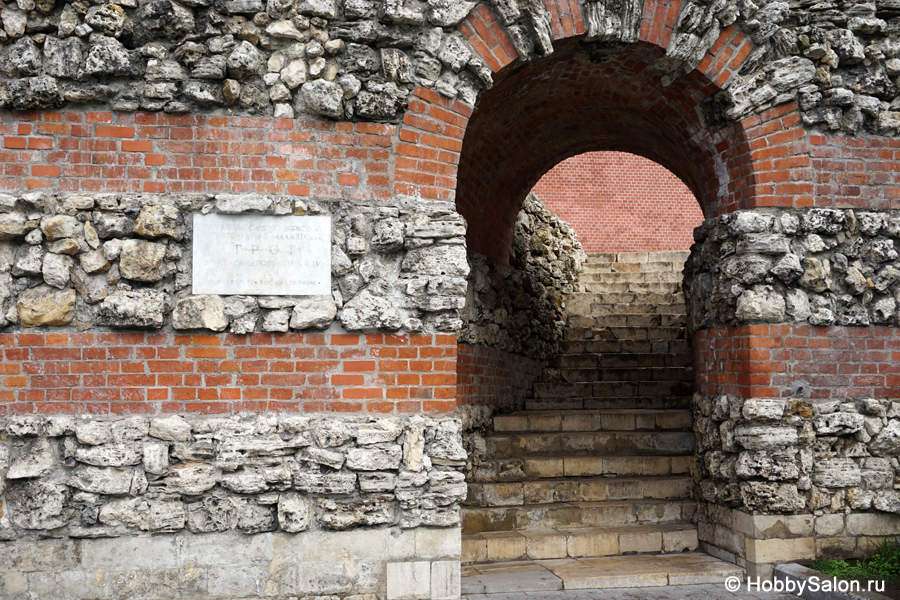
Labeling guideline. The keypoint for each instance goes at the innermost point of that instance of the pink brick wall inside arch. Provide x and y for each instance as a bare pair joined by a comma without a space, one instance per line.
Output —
621,202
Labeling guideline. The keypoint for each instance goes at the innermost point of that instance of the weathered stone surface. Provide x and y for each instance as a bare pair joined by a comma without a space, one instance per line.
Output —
376,510
139,308
255,518
763,437
369,312
34,460
158,221
836,472
887,443
191,478
172,428
211,513
37,504
295,512
200,312
375,458
12,225
102,480
313,312
142,261
323,97
109,455
771,497
46,306
57,270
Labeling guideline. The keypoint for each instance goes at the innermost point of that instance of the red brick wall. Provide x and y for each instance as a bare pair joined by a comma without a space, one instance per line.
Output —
148,373
620,202
159,153
755,361
491,376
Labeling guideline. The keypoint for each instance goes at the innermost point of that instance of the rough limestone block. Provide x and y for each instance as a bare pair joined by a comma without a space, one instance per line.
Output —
408,580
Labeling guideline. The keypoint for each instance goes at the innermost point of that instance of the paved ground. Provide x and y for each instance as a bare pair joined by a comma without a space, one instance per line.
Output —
679,592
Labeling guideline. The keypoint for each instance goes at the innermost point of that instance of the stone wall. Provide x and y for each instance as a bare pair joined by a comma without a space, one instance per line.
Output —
360,59
343,60
818,266
830,463
83,261
521,307
290,491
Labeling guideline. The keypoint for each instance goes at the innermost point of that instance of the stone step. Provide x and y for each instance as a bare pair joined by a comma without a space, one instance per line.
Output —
587,360
633,267
594,420
581,303
508,445
633,374
611,389
608,572
578,542
624,298
602,288
625,333
552,467
615,402
609,346
578,489
576,514
630,276
662,255
625,320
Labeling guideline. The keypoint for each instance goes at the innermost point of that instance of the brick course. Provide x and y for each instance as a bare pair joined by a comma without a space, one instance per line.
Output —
495,377
758,361
148,373
159,153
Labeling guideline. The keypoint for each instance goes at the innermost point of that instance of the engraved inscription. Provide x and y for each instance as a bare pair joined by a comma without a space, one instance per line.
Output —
262,255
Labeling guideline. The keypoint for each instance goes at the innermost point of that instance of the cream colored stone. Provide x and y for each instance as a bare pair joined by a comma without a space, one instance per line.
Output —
580,466
474,549
506,546
408,580
543,468
645,541
679,540
590,542
830,525
779,550
782,526
873,524
543,423
544,544
445,580
438,542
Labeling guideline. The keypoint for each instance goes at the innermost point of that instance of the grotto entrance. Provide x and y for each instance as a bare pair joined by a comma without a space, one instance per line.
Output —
592,463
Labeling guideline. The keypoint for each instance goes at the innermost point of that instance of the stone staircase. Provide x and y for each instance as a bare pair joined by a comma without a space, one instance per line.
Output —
592,479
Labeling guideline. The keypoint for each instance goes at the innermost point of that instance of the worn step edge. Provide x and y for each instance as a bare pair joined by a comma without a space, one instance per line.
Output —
578,489
578,542
510,470
576,514
595,420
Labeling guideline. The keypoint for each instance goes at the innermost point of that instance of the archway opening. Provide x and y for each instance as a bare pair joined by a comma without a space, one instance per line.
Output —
592,426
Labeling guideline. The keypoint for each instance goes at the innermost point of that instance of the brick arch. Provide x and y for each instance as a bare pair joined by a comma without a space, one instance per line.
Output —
582,97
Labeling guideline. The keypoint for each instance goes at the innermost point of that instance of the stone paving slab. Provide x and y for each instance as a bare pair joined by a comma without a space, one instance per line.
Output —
633,571
677,592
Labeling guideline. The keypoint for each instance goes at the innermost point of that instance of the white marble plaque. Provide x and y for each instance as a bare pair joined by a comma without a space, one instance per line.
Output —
262,255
